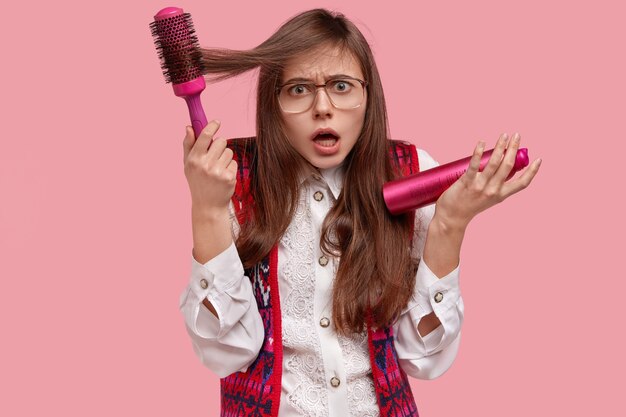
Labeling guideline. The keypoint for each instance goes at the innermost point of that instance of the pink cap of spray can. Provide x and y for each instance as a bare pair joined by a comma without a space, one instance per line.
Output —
419,190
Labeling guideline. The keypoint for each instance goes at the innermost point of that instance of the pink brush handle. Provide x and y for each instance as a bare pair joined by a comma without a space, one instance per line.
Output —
196,114
423,188
190,91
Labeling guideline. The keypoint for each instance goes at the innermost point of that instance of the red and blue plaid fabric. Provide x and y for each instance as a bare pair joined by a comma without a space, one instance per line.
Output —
256,392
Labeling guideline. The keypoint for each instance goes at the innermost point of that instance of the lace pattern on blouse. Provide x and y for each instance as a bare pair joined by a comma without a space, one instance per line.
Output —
302,348
302,352
360,386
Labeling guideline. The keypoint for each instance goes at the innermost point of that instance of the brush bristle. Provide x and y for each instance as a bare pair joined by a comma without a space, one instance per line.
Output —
178,48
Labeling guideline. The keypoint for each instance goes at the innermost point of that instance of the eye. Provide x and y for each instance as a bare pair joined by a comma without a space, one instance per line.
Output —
341,86
298,89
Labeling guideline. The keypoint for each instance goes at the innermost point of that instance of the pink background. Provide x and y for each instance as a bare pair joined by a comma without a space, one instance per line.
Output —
95,233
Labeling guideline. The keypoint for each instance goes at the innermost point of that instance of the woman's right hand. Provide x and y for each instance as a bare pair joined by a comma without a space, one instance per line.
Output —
210,169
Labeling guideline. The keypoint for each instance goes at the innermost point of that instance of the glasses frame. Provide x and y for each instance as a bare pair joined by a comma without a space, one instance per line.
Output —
318,86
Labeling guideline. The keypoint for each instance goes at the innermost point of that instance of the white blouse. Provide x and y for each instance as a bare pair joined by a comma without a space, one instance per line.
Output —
324,374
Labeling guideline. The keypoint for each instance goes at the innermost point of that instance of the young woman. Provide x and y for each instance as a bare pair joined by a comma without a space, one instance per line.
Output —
307,297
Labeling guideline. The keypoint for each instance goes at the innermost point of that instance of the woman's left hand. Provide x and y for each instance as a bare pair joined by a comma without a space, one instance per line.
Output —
476,191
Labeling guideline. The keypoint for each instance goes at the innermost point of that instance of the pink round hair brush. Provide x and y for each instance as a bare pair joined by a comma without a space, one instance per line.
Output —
181,60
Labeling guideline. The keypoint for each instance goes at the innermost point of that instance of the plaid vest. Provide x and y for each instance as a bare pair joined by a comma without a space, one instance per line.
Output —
256,392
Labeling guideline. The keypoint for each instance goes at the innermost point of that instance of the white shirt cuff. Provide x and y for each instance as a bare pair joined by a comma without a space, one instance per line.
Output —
212,280
441,295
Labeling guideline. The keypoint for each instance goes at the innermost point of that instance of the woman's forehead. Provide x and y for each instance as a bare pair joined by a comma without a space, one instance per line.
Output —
321,63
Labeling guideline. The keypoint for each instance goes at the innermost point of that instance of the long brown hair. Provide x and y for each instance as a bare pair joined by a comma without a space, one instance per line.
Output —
376,270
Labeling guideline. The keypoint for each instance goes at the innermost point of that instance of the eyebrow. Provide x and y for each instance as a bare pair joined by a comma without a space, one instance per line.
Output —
330,77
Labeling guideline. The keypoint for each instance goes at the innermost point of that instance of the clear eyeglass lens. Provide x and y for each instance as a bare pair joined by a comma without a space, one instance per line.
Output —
344,94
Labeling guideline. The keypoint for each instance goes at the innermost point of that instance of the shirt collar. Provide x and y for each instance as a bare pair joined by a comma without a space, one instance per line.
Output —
333,177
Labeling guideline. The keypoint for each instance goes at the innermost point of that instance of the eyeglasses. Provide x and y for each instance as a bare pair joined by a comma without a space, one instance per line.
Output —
344,93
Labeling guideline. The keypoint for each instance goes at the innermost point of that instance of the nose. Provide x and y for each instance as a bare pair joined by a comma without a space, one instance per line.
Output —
322,107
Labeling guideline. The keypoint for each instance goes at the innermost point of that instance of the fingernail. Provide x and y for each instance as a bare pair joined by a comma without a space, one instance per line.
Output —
539,162
505,136
516,137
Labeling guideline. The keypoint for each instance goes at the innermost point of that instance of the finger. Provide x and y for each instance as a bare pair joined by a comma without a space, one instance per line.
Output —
216,150
225,158
511,187
232,169
496,156
509,160
474,164
188,142
233,166
206,137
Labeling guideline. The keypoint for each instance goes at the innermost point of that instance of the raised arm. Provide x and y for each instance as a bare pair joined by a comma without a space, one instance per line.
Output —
218,305
428,335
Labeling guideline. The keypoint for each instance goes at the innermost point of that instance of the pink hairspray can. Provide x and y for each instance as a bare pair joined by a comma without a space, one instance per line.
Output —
423,188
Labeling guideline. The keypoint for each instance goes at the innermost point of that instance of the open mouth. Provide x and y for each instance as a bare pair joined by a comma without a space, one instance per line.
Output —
326,139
